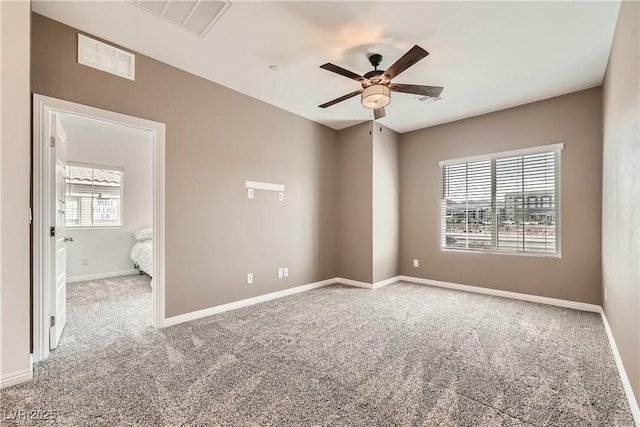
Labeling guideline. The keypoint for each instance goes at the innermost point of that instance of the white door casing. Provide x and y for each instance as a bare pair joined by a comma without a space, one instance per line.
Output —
44,112
58,304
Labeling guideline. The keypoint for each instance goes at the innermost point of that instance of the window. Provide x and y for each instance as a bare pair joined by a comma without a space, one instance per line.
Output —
94,196
503,203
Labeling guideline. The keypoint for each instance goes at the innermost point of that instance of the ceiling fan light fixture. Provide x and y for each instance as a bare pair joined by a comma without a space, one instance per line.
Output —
376,85
376,96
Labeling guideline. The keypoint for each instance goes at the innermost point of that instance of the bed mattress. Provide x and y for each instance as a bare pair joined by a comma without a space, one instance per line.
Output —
142,256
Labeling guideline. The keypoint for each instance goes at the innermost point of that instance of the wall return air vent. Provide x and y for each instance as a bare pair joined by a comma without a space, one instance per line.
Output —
104,57
195,16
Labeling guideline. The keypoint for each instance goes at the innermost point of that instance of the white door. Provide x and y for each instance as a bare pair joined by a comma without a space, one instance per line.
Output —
58,304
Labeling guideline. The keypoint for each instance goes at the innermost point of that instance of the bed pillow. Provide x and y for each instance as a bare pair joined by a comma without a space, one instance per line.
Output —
143,234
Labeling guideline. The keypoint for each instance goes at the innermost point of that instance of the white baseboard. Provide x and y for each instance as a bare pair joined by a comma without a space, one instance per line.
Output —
506,294
351,282
386,282
376,285
102,276
626,385
243,303
19,376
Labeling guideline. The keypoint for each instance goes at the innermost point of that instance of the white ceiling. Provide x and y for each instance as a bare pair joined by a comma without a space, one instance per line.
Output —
73,124
487,55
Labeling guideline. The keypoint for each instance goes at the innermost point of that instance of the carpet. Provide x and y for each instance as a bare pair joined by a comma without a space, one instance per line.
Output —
405,355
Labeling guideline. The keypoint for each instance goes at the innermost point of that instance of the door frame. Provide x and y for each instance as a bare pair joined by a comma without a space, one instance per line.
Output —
43,108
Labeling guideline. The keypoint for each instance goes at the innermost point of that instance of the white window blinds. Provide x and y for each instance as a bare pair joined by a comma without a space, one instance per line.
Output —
94,197
505,202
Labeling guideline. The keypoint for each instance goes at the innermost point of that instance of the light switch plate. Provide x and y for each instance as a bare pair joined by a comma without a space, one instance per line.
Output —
286,272
249,278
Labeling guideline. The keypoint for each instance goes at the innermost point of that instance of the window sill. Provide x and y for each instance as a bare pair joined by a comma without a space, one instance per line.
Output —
105,227
520,254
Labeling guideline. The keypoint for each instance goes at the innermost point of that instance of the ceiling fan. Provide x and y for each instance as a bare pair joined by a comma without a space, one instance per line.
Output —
376,85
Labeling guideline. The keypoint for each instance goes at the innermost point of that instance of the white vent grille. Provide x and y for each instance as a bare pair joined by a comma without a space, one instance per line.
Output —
104,57
194,16
428,99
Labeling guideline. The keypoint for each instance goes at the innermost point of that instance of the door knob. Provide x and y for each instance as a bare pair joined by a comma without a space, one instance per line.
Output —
68,239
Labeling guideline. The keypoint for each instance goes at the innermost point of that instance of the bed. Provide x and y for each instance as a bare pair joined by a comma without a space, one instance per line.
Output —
142,253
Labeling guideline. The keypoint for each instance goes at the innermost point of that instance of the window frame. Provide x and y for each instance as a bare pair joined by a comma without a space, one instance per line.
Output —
555,148
107,168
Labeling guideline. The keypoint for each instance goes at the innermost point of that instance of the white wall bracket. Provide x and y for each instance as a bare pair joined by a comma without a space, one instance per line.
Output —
255,185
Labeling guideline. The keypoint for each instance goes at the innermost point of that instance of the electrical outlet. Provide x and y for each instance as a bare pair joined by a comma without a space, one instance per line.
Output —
280,273
606,294
416,263
249,278
286,272
85,261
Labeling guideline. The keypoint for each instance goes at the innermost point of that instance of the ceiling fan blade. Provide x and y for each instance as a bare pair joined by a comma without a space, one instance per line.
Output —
378,113
343,72
342,98
431,91
414,55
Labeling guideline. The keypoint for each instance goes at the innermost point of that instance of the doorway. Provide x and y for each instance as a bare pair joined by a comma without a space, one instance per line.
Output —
50,210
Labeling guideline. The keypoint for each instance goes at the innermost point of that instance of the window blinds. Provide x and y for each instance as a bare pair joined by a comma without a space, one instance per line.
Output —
505,202
94,197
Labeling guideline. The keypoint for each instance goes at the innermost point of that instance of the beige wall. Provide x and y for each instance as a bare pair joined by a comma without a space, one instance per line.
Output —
575,120
386,203
355,244
369,195
14,214
216,139
621,191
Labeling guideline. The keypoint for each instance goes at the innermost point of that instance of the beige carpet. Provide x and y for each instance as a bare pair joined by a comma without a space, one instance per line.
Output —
406,355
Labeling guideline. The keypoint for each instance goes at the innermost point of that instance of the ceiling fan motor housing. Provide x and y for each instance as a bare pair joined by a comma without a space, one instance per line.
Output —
375,59
374,75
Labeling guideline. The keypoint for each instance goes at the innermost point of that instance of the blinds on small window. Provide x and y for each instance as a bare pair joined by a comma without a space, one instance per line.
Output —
505,202
94,197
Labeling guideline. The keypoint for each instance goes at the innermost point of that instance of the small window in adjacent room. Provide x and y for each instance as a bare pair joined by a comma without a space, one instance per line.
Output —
503,203
94,196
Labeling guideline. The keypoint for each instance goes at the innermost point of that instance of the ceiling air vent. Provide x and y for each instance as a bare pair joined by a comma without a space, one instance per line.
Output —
428,99
102,56
195,16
